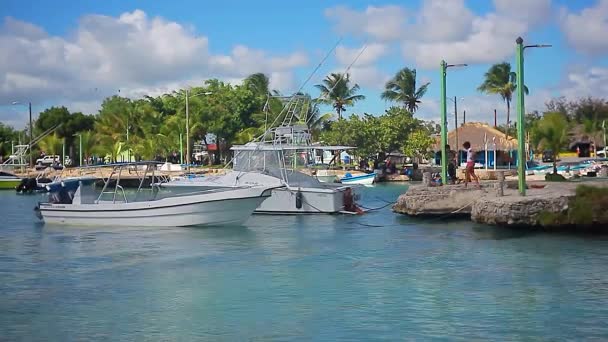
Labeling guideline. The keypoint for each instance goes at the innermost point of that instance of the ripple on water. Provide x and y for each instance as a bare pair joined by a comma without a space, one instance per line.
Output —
374,277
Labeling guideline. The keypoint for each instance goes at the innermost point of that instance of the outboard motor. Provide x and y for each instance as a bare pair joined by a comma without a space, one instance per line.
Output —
27,186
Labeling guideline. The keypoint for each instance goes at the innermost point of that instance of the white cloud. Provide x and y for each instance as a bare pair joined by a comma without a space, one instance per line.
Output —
368,77
584,82
586,31
370,55
531,11
132,52
445,29
443,20
381,23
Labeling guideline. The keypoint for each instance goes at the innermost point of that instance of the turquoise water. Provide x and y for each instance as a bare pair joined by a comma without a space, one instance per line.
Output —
375,277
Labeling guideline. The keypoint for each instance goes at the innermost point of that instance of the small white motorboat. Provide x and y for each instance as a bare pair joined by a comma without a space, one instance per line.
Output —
366,179
76,203
326,176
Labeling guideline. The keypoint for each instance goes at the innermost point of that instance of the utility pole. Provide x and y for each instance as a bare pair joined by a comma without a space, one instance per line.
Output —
521,126
30,144
495,122
187,132
521,151
456,148
444,124
464,117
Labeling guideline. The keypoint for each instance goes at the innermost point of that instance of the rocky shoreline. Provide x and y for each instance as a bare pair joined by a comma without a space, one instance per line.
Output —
546,204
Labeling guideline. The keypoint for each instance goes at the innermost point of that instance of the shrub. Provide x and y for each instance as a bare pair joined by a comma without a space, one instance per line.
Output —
554,177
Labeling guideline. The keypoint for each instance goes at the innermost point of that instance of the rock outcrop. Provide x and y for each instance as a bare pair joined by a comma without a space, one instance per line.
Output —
420,200
518,211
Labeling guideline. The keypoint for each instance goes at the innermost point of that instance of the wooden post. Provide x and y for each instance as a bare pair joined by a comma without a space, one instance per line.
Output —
500,175
426,179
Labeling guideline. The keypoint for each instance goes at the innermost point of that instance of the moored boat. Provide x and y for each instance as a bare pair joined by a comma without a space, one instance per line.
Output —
365,179
75,202
8,180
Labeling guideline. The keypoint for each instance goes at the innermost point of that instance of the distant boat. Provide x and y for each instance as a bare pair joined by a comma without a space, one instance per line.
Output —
326,176
74,202
366,179
8,180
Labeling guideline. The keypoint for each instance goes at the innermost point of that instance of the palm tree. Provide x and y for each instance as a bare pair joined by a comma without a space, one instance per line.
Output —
402,88
502,81
335,91
258,83
552,133
51,144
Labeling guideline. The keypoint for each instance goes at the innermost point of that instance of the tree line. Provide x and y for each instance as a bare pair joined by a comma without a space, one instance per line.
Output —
234,114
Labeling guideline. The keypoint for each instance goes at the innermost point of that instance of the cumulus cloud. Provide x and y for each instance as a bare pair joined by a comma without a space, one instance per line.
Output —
382,23
372,52
583,82
445,29
132,52
443,20
586,31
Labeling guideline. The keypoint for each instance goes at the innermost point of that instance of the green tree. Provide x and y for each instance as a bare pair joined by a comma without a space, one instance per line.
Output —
418,144
551,133
402,88
502,81
7,136
51,144
335,91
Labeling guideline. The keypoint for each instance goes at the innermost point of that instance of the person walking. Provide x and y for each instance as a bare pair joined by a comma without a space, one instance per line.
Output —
470,168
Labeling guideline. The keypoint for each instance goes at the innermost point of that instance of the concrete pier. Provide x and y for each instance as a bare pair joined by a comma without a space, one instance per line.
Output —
493,204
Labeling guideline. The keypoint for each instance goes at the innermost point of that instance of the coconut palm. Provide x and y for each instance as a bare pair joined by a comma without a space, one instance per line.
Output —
335,91
552,133
502,81
402,88
51,144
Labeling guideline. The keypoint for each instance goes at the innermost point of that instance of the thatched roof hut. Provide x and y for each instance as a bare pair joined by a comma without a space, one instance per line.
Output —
475,133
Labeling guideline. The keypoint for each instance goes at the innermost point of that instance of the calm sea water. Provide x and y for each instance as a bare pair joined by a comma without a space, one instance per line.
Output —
374,277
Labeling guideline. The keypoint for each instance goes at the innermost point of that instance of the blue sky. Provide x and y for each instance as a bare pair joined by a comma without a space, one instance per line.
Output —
74,53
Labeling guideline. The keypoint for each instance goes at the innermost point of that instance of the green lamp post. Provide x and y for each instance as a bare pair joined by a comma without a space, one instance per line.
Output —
444,120
521,122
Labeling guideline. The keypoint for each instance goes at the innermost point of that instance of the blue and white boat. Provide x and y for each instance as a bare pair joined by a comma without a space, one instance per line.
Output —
366,179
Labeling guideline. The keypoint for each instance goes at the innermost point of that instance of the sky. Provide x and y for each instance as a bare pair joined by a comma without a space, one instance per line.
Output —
76,53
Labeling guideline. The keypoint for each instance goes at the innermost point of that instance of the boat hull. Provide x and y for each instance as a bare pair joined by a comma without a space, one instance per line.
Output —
326,178
6,184
192,210
361,180
313,201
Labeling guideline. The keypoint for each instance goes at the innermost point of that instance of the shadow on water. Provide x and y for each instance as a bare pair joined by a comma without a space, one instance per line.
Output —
486,232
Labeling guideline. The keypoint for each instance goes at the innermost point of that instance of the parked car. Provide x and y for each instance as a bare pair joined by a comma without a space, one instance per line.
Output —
601,153
548,156
48,160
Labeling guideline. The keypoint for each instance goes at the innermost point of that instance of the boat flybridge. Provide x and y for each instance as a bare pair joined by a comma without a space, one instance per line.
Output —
282,160
76,202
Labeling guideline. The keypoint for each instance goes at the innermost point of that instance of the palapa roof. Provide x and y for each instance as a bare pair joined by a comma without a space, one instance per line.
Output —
475,133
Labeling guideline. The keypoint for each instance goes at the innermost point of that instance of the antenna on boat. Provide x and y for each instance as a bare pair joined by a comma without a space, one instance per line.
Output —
288,104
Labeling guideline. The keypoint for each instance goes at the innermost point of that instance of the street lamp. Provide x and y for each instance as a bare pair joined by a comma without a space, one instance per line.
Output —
30,143
444,120
521,150
188,124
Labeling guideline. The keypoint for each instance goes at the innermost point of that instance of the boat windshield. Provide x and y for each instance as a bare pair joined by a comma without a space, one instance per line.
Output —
285,164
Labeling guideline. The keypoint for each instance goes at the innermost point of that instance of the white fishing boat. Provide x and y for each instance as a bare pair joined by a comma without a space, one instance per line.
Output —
77,203
367,179
281,158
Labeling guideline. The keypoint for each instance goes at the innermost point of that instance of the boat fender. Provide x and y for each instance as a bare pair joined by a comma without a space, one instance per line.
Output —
299,199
